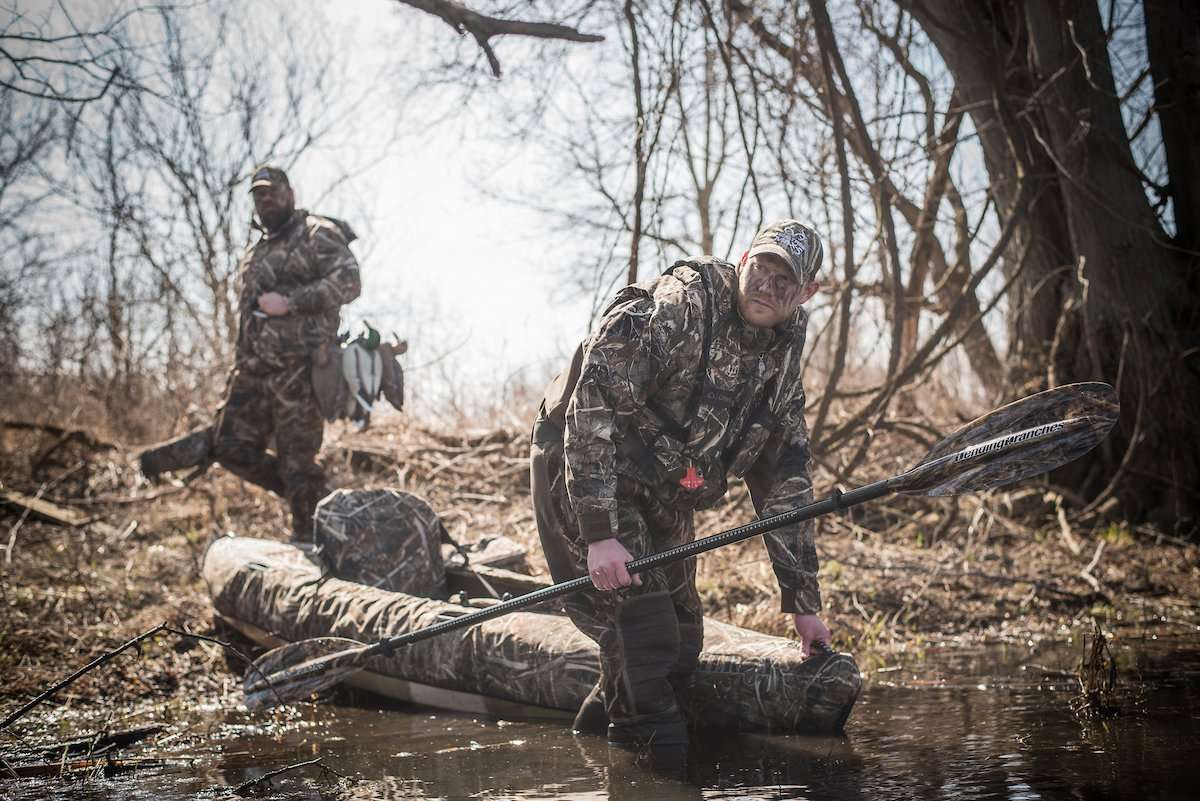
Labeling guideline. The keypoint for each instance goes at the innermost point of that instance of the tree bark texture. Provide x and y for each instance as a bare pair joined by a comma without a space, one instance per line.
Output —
1107,293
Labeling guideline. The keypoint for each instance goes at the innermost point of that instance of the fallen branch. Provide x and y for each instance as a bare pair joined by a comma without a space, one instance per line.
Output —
1086,573
16,529
63,767
95,663
1064,529
95,744
1041,584
1050,673
470,439
56,514
480,497
109,655
252,786
79,435
119,500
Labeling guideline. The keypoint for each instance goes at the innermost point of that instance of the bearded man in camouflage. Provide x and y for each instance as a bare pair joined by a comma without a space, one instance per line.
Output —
291,284
690,377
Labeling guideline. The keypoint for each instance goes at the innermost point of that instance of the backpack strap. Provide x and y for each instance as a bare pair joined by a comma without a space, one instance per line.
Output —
668,424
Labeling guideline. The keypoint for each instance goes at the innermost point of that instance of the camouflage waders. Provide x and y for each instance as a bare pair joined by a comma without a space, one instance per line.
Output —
649,636
283,403
270,391
671,394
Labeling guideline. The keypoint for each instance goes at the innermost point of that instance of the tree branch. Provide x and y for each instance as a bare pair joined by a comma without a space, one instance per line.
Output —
483,28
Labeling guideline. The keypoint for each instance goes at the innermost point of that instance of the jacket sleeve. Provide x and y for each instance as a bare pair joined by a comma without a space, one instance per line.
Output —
245,309
621,365
778,482
339,282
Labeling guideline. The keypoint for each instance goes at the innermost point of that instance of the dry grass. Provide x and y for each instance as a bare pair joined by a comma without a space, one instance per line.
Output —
896,574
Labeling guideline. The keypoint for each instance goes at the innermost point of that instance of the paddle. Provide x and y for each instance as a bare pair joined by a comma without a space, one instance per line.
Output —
1022,439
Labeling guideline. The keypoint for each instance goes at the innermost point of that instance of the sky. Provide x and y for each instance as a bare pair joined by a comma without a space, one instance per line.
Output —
479,286
471,281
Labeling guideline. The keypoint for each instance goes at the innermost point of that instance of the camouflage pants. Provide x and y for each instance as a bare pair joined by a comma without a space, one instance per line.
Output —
281,403
649,635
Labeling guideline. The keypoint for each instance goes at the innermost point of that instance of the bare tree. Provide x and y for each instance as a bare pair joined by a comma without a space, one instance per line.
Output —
153,177
71,64
26,139
1109,287
733,112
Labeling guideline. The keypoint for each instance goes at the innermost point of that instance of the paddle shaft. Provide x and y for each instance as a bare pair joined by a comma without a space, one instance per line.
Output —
834,503
1024,438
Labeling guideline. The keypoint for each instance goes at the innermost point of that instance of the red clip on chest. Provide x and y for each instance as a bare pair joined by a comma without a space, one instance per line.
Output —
692,481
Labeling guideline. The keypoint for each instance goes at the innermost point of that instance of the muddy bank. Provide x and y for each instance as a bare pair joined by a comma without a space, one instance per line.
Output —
897,575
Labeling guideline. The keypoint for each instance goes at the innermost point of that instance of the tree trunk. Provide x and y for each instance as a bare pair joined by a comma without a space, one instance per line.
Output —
1106,293
1173,40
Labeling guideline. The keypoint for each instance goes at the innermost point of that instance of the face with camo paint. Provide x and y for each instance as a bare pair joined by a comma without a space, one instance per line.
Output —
768,292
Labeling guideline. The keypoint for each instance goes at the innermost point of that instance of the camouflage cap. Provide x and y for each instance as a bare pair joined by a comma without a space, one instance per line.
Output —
268,176
796,243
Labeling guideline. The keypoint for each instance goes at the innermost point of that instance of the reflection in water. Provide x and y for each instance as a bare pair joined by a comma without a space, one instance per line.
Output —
623,775
970,737
793,767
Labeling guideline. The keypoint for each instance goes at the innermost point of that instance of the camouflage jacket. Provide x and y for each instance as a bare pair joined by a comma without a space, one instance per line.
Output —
653,399
309,261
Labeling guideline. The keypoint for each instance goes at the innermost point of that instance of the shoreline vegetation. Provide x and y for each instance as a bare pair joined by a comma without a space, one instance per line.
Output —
898,575
1003,209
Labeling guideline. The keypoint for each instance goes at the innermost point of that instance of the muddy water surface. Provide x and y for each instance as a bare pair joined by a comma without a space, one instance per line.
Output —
989,723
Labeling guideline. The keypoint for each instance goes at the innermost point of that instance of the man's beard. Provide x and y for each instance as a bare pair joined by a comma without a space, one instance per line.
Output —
275,219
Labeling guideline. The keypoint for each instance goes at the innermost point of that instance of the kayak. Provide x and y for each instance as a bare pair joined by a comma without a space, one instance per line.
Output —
524,665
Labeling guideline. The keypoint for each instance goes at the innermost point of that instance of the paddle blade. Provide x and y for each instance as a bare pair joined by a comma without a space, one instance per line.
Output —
296,671
1025,438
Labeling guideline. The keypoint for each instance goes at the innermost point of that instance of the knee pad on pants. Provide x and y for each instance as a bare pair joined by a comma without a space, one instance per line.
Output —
648,634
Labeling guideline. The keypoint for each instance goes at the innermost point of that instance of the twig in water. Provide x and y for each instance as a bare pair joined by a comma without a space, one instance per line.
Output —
93,745
1097,678
254,785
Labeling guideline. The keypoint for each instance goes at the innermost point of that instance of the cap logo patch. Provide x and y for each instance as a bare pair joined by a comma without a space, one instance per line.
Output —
262,174
795,241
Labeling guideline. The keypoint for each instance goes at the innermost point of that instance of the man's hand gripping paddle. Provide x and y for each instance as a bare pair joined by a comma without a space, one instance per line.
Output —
1023,439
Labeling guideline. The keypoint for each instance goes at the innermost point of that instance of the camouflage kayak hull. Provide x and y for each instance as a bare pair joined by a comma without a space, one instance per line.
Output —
525,664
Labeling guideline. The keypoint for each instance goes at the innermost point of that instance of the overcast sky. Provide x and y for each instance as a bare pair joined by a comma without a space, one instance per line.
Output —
479,286
473,282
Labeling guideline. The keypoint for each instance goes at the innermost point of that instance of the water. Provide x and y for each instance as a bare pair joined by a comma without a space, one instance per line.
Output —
954,724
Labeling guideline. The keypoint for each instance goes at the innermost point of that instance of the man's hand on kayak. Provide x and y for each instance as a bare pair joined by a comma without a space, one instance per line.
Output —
606,565
811,630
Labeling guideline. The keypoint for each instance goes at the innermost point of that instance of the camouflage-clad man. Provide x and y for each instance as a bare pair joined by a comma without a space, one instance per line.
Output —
291,285
690,377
